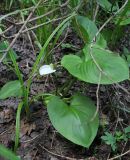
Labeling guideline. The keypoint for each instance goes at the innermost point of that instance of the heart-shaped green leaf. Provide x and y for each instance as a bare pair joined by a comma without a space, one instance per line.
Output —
11,89
74,121
106,5
114,67
87,28
126,19
87,31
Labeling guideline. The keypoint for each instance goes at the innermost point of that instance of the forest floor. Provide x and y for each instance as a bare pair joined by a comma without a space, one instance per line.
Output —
38,139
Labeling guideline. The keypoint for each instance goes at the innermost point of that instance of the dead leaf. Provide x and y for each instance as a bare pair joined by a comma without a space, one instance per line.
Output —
27,128
6,115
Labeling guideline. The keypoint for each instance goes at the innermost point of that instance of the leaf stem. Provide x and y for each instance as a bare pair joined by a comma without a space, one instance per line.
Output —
17,128
44,54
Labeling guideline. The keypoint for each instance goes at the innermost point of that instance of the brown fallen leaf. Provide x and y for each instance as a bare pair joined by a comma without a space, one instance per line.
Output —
6,115
27,128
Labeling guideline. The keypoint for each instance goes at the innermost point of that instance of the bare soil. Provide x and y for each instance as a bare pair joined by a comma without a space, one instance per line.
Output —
38,139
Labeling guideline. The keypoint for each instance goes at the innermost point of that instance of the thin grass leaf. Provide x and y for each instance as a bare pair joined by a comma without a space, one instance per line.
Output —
59,34
11,89
17,127
43,54
6,153
11,3
18,73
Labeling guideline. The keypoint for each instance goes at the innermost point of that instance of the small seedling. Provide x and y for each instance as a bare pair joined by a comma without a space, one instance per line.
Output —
112,140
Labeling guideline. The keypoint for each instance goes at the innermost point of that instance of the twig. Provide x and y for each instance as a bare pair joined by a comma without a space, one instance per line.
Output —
94,40
119,155
96,63
31,43
46,14
30,140
19,32
35,27
14,12
116,122
97,95
53,136
39,17
40,25
6,30
101,28
58,155
96,11
60,42
6,131
124,147
125,90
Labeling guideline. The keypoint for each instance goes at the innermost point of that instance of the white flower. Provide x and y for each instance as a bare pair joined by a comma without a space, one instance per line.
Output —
46,69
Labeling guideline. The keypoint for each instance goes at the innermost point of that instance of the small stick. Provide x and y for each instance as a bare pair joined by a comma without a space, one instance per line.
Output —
119,155
19,32
6,30
94,40
58,155
109,19
40,25
97,95
46,14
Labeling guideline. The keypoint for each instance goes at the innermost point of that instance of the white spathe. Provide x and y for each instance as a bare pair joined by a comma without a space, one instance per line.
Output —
46,69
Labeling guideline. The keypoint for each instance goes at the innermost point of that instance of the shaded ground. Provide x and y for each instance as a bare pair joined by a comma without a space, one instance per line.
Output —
39,140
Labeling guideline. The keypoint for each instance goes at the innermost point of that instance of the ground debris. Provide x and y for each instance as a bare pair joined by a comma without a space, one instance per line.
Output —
26,128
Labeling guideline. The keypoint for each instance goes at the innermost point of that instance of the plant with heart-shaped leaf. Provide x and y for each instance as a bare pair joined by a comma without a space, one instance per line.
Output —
87,31
97,60
75,120
18,88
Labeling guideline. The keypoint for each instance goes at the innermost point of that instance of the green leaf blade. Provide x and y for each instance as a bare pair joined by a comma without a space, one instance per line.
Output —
11,89
106,5
114,68
74,121
126,19
87,30
4,152
3,46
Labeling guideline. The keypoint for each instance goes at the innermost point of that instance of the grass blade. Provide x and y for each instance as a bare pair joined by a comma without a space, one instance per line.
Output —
43,54
6,153
17,127
18,73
